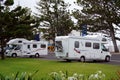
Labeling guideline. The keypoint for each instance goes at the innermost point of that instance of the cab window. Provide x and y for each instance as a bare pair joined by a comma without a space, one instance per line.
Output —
103,47
59,46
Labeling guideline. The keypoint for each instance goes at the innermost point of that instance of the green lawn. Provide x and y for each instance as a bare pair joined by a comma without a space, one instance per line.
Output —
45,67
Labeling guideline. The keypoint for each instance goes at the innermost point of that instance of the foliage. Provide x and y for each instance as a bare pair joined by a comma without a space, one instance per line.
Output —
99,75
9,2
64,76
22,76
59,76
15,23
99,15
54,14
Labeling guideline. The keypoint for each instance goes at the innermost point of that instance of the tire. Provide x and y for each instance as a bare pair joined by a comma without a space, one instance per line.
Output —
82,59
68,60
14,55
37,55
107,59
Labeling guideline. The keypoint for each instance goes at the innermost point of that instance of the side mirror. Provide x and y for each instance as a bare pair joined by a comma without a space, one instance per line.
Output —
105,50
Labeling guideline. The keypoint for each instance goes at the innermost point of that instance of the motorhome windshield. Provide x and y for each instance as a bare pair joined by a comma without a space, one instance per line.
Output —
10,47
59,46
103,47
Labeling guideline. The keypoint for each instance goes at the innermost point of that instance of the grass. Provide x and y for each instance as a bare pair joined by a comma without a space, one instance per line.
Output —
45,67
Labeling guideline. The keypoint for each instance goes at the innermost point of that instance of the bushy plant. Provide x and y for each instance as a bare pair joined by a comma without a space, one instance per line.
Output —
97,76
59,76
18,76
64,76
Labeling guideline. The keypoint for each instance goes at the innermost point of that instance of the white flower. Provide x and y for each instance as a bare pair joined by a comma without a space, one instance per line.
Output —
70,78
99,72
81,75
60,72
75,75
53,73
91,76
96,76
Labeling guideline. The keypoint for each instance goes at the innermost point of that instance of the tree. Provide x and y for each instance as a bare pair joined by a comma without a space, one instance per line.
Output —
54,14
99,15
15,23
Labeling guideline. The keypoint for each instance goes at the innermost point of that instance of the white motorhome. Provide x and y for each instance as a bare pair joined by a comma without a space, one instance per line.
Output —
22,47
81,48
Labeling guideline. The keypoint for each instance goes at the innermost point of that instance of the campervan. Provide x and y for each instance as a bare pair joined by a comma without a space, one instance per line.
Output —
82,48
22,47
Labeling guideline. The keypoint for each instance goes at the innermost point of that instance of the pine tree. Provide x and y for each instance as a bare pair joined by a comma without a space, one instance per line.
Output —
54,14
99,15
14,23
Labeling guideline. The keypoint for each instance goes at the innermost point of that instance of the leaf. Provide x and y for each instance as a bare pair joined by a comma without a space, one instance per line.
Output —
16,75
9,2
2,77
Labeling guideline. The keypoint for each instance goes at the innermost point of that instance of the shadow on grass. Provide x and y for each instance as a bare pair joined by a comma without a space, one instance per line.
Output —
76,61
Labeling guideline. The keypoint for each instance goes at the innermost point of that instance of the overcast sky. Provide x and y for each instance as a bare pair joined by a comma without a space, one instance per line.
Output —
32,3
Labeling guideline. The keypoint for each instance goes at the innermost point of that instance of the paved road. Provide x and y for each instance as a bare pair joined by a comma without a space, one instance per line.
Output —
115,59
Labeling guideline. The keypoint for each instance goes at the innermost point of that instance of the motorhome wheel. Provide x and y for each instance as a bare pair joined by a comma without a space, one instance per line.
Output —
37,55
82,59
68,60
14,55
107,59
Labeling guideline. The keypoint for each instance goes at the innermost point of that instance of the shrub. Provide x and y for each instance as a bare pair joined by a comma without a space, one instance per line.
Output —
59,76
64,76
22,76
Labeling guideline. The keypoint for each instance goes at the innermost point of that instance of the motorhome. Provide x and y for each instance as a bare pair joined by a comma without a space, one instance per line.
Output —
22,47
82,48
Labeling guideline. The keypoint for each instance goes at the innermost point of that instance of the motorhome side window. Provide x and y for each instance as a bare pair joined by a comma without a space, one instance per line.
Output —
19,41
88,44
76,44
34,46
43,46
28,46
96,45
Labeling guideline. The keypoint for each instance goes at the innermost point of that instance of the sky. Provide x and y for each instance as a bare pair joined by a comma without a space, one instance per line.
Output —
32,3
26,3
